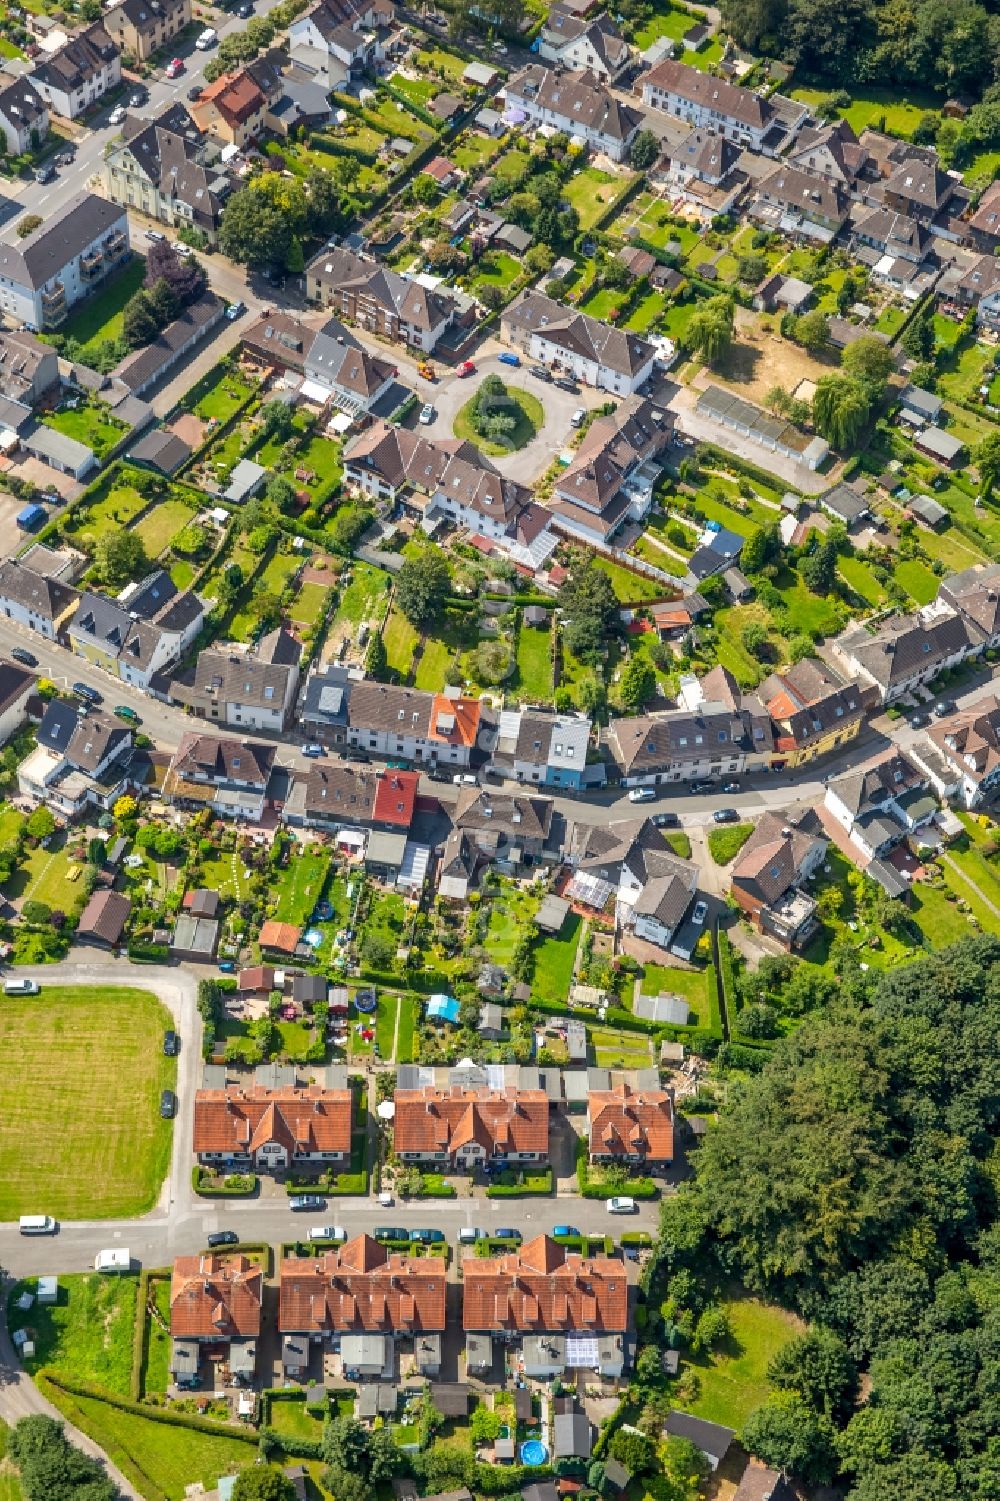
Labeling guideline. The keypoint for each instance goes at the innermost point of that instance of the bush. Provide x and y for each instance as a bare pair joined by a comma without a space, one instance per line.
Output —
236,1185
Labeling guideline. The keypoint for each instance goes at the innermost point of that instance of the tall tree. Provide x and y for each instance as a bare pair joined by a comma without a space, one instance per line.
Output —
422,586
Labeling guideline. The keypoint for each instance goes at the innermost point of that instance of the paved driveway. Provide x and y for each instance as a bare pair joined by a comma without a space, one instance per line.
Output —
451,393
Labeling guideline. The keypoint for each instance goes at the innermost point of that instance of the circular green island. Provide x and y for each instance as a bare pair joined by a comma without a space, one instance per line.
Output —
499,418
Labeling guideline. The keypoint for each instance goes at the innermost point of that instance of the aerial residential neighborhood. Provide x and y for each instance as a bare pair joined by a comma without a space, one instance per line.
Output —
500,749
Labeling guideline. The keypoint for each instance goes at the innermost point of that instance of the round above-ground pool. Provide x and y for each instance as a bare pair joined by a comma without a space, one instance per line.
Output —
534,1452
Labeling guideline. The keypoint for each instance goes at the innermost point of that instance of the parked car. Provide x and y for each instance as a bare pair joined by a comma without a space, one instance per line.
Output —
427,414
312,751
386,1199
21,987
244,11
467,367
579,416
622,1204
206,39
227,966
642,795
699,914
328,1232
38,1224
918,720
944,707
25,657
84,690
506,1233
299,1202
235,310
137,98
568,1230
122,711
666,820
540,372
390,1232
67,157
168,1104
565,383
730,787
171,1044
509,359
464,779
703,786
469,1234
195,91
726,815
427,1237
155,235
222,1238
117,115
45,173
175,67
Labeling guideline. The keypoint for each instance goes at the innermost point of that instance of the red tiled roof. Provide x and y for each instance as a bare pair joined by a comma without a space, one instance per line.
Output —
303,1120
627,1122
395,798
215,1297
104,916
283,936
501,1120
258,977
362,1287
543,1287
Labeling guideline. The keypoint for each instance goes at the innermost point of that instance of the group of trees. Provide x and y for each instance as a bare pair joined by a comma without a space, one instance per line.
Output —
493,412
843,402
51,1469
709,331
170,284
265,223
854,1180
243,45
590,613
422,586
952,45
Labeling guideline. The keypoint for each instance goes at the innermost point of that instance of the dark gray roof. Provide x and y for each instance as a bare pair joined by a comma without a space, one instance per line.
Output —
710,1438
20,103
44,254
102,618
166,451
151,594
326,696
45,597
143,366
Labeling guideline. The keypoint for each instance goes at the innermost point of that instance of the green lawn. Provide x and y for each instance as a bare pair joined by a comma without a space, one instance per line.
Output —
90,423
645,313
224,873
220,393
385,1022
534,663
900,112
91,1143
362,599
860,578
87,1333
162,524
497,269
553,961
919,581
292,1419
309,604
419,90
106,513
300,885
603,304
629,587
406,1030
619,1049
10,1485
733,1381
511,911
48,875
692,984
590,191
470,150
527,411
99,317
172,1458
156,1371
400,639
726,841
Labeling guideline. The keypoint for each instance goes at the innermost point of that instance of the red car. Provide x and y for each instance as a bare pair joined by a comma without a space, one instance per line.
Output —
175,66
467,367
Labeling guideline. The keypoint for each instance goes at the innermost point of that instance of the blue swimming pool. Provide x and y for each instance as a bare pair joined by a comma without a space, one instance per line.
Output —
534,1452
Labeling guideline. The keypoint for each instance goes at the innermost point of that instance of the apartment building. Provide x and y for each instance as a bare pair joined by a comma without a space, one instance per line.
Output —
62,261
142,27
249,692
761,124
583,45
428,728
270,1130
165,169
462,1129
35,601
906,651
612,476
596,353
378,299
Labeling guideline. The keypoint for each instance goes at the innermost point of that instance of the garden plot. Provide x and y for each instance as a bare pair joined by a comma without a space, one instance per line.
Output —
111,509
161,525
99,318
756,361
591,190
220,393
362,602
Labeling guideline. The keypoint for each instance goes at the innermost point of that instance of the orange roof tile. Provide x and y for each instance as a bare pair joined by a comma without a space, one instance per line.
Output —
215,1297
455,721
304,1120
500,1120
545,1288
633,1123
283,936
362,1287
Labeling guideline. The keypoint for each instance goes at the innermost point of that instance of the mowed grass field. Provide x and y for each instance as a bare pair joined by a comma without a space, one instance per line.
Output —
81,1070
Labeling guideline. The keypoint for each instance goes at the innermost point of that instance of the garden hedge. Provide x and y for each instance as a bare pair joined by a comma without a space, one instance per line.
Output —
207,1191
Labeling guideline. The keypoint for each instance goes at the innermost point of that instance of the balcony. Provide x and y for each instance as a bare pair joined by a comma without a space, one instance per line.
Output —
115,245
53,304
91,263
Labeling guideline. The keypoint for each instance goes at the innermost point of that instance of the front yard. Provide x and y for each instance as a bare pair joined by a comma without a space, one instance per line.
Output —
85,1140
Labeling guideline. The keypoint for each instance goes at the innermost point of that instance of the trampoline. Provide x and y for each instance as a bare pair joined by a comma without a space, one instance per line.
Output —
534,1452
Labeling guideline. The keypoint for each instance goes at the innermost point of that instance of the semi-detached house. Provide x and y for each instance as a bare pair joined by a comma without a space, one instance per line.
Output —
770,872
906,651
726,733
61,262
247,692
380,300
553,1309
367,1302
214,1301
961,754
462,1129
141,633
24,116
629,1126
142,27
229,776
43,605
579,44
270,1130
79,73
578,103
80,760
608,358
429,728
165,169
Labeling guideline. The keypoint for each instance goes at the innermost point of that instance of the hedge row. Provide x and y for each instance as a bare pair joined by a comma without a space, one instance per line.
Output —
164,1415
148,953
617,203
63,1399
139,1337
727,978
638,1188
410,105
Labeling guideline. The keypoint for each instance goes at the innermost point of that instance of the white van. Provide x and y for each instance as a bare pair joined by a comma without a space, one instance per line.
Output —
207,39
37,1224
579,417
116,1259
468,1235
21,987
